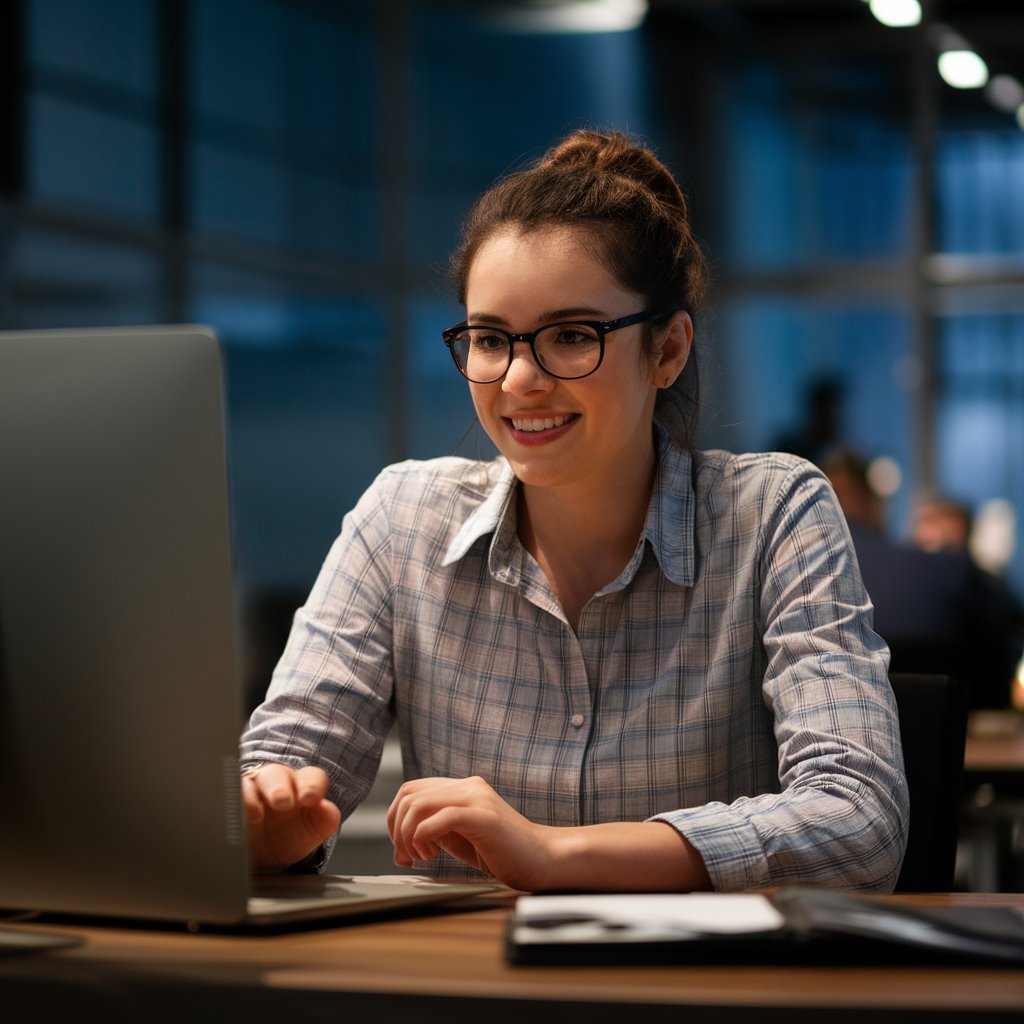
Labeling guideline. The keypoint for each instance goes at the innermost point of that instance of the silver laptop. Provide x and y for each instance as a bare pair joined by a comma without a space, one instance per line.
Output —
120,705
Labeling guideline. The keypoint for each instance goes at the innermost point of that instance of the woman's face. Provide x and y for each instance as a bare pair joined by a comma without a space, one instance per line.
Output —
594,430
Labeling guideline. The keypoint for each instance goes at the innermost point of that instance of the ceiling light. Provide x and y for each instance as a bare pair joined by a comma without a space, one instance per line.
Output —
963,69
558,16
897,13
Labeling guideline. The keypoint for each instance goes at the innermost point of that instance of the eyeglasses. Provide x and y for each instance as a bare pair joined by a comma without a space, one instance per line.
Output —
567,350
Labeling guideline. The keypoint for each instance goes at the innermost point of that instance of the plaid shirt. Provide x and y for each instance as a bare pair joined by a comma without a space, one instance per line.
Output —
728,682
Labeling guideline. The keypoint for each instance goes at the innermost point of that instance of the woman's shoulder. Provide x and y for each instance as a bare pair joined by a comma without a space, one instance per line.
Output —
421,506
751,467
759,495
444,473
449,486
755,479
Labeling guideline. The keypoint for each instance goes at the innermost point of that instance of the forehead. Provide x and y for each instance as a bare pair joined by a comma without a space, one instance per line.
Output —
550,242
513,262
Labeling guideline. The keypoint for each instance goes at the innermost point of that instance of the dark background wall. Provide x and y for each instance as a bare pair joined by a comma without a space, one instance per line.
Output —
294,174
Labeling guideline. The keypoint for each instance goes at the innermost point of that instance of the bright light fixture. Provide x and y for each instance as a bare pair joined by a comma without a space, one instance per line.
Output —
897,13
1020,116
963,69
558,16
993,538
885,476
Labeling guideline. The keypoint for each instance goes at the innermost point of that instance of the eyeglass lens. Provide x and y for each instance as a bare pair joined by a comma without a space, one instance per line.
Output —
565,350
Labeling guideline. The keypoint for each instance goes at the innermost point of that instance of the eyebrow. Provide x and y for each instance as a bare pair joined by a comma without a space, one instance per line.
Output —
551,316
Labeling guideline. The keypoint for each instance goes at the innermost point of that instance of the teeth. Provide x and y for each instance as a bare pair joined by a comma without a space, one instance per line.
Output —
530,425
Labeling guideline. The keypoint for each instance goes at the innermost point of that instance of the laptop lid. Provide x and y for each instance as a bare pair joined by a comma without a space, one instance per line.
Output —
120,706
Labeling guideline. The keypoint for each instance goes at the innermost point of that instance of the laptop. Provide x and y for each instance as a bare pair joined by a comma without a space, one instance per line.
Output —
120,701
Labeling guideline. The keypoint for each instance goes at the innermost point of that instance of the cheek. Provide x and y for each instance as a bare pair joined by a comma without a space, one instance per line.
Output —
632,386
483,403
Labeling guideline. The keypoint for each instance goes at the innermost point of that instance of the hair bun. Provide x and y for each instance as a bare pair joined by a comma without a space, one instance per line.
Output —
614,152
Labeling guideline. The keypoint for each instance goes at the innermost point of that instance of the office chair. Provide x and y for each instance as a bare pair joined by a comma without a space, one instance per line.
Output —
933,727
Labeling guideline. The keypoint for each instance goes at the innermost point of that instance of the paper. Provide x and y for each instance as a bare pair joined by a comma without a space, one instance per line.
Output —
641,918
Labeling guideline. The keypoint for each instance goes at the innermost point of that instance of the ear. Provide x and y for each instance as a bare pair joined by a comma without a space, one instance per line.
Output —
673,349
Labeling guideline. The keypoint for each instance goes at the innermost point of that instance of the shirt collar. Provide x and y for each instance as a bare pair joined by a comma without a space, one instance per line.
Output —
669,528
496,510
671,518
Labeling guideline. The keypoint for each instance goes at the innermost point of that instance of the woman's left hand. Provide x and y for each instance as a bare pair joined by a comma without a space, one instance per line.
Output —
467,819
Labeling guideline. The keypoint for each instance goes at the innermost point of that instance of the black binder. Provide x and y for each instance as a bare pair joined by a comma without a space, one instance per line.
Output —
796,925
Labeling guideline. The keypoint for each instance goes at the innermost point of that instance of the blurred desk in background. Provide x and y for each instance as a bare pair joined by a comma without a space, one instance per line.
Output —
995,747
991,856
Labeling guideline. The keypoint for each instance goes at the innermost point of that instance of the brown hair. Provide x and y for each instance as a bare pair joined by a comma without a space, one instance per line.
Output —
637,217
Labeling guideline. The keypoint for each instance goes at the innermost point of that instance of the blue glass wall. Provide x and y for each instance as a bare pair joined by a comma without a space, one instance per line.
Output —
327,152
328,155
817,240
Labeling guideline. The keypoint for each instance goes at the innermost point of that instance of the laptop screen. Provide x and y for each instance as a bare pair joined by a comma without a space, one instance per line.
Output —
120,706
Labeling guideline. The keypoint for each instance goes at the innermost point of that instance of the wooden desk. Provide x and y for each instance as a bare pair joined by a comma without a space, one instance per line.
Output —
450,967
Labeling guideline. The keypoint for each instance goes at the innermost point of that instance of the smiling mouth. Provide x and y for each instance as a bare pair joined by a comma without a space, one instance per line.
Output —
528,426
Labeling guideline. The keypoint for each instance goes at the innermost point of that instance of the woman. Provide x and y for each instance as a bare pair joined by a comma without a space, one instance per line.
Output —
614,662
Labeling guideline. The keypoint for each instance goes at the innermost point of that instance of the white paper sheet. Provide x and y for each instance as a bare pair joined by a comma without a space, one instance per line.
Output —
643,917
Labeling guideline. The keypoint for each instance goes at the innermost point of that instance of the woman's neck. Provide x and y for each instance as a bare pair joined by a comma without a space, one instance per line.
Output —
584,536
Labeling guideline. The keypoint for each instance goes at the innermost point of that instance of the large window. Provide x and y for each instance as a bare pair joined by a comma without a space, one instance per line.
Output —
868,240
980,425
294,174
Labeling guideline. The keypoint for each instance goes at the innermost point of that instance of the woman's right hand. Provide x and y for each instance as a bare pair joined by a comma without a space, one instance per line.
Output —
287,815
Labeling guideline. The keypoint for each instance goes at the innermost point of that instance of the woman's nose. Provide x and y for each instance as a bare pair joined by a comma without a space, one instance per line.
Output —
523,373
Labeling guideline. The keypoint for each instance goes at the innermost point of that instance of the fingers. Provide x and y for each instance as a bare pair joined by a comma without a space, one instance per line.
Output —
454,830
430,815
287,813
412,803
276,787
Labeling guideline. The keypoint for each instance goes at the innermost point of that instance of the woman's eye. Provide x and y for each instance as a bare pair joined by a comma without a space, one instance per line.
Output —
571,335
488,342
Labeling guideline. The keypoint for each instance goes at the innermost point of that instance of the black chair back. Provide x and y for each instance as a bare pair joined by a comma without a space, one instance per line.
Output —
933,727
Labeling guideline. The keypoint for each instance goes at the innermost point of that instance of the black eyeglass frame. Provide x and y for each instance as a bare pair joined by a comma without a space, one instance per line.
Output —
601,327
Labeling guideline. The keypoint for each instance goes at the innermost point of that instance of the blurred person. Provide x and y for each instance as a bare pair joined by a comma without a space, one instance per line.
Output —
936,609
941,524
614,662
821,428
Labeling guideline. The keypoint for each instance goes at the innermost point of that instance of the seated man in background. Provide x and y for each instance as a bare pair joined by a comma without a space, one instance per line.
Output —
941,524
936,609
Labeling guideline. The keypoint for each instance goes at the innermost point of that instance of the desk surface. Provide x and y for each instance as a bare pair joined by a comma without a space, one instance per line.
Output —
450,967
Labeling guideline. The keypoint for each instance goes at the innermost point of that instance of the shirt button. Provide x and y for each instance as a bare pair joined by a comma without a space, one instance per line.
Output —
577,720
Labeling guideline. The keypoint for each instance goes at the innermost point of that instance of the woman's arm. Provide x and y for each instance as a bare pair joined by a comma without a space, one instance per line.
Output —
468,819
328,702
840,816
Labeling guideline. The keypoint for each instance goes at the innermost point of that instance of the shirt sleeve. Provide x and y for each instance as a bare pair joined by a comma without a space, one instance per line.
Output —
328,703
840,816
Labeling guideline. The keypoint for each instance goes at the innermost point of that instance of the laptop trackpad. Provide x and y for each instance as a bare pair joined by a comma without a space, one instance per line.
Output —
277,894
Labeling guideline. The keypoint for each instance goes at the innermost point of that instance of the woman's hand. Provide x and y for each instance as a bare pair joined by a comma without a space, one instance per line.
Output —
467,819
287,815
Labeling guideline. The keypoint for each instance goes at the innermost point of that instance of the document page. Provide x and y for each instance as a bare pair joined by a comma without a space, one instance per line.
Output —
641,918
